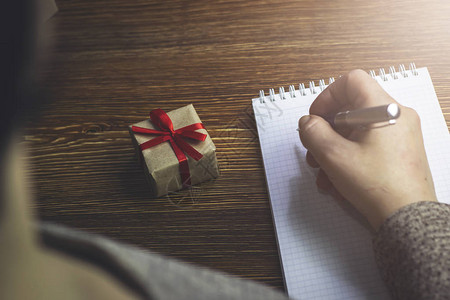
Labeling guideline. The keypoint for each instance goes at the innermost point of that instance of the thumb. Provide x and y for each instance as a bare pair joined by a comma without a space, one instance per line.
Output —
324,143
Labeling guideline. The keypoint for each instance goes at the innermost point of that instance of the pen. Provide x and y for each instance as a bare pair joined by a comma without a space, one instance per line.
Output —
365,116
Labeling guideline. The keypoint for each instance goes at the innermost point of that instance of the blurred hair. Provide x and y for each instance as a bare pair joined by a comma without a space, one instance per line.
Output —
17,62
18,45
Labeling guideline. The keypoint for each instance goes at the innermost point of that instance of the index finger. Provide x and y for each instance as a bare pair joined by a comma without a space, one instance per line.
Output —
356,89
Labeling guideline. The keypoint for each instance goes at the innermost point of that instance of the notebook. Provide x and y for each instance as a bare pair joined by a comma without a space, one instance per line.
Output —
325,247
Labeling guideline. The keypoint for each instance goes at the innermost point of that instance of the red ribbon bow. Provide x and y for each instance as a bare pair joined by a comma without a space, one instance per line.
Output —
175,137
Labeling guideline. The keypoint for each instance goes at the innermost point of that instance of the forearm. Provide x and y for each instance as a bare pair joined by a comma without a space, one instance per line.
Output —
412,250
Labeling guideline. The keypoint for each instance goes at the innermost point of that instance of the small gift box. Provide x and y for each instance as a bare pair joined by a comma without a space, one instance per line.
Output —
174,149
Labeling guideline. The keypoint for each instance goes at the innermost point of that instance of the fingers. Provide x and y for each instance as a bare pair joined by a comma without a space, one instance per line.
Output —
357,89
311,160
323,143
323,182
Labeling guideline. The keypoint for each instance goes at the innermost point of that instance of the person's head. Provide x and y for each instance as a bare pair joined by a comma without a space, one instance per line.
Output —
18,68
17,58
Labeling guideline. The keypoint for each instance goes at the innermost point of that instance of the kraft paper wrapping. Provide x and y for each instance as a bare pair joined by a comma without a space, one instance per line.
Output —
160,162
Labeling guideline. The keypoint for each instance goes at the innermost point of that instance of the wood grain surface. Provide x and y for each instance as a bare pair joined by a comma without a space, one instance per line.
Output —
114,61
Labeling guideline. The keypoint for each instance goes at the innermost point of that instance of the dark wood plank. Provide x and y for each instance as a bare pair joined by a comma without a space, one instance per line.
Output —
114,61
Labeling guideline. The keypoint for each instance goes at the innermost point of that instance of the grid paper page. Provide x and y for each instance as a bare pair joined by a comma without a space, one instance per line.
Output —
325,246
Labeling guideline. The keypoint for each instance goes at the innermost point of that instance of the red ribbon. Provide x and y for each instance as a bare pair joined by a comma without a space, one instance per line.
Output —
175,137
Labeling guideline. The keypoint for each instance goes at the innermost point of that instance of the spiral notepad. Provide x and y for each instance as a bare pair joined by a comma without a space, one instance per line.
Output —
325,248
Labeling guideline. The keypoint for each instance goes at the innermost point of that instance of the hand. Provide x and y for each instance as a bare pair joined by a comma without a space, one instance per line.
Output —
378,170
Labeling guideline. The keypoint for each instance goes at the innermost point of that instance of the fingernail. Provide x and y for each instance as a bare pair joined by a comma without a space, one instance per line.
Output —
303,120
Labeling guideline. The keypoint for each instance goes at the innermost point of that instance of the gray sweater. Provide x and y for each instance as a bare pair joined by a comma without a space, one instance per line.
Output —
412,250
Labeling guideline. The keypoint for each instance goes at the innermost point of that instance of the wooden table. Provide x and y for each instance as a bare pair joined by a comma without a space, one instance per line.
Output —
114,61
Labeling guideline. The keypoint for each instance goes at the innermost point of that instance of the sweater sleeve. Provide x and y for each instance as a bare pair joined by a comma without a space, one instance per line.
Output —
412,250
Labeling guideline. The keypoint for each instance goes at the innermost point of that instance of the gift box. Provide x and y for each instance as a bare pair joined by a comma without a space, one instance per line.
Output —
175,150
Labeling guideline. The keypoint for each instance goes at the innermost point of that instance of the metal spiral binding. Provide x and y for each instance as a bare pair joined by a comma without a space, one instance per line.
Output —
402,71
321,84
312,89
292,91
393,73
271,95
281,93
383,75
303,91
412,67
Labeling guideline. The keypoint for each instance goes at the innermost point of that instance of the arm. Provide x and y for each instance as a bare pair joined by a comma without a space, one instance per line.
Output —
412,250
383,172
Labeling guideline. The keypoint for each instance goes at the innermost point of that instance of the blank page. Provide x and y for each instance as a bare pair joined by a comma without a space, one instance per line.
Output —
326,246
